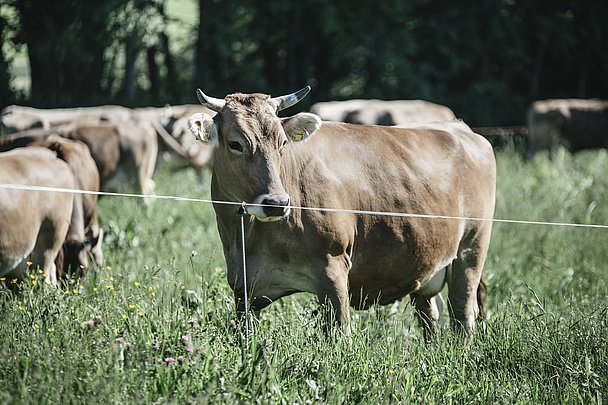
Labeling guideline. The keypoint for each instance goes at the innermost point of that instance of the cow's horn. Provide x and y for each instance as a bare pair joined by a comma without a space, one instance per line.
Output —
287,101
212,103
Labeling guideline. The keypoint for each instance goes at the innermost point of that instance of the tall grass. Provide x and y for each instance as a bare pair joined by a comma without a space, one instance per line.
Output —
153,324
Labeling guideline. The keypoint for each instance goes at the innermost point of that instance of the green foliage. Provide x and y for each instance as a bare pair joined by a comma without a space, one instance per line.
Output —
487,61
152,325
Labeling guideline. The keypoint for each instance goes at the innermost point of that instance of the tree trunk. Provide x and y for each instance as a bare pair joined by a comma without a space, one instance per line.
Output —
153,73
129,84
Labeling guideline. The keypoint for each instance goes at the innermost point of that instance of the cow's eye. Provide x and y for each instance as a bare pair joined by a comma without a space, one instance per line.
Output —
235,147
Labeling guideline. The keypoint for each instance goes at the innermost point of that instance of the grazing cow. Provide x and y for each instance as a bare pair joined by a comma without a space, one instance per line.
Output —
123,152
276,164
573,123
380,112
33,224
84,234
16,118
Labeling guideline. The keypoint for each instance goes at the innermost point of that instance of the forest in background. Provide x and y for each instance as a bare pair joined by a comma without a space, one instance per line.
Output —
487,60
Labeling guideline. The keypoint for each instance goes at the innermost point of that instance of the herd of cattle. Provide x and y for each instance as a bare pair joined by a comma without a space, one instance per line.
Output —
397,156
95,149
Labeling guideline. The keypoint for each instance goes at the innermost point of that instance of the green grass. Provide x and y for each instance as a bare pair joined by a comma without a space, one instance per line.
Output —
544,340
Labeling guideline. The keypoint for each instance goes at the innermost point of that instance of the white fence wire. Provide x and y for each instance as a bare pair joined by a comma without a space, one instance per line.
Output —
342,210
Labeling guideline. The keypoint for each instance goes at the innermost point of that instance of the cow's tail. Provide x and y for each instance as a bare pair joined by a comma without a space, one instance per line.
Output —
481,299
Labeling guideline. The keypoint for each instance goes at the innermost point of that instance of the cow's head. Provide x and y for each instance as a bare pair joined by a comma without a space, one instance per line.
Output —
250,141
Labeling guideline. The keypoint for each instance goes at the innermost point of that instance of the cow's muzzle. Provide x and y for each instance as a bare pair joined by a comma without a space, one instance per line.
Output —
269,207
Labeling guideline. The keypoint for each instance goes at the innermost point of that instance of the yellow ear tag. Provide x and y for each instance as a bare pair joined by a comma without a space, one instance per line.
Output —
298,134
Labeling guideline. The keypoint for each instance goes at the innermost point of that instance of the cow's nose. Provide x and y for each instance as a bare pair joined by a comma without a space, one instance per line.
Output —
275,205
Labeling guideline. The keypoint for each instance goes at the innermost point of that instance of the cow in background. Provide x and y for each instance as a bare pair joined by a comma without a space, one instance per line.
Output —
380,112
16,118
33,224
124,153
84,235
574,123
169,122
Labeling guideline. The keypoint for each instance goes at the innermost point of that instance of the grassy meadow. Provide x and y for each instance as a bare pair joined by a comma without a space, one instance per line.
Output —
153,324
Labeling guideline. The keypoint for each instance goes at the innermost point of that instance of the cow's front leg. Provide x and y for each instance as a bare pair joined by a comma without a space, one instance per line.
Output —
332,292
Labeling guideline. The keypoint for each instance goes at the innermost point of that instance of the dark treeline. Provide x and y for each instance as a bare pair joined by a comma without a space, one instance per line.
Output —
487,60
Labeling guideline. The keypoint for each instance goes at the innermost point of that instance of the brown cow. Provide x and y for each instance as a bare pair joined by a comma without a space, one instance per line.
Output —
33,224
123,152
575,123
276,164
84,233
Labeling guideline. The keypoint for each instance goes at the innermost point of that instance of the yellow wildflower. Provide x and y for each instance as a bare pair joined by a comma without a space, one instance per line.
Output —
29,263
34,281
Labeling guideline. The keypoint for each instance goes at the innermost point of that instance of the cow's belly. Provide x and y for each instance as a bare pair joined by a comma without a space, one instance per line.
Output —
388,278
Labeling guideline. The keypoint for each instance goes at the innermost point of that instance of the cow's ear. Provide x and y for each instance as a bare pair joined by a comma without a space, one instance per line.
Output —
203,128
301,126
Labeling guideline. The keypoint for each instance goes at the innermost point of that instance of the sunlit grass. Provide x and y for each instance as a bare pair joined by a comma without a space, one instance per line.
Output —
152,325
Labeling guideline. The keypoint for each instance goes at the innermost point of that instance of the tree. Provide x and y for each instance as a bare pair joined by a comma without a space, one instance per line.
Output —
66,41
6,94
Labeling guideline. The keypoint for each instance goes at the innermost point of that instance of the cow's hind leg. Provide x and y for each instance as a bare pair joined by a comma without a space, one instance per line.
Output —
466,289
48,244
